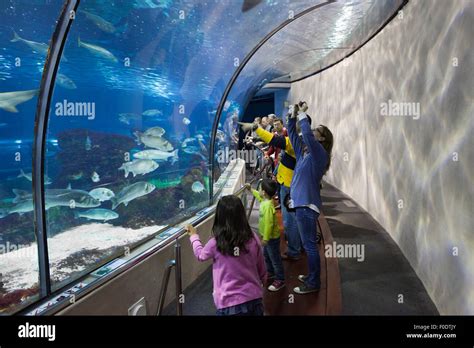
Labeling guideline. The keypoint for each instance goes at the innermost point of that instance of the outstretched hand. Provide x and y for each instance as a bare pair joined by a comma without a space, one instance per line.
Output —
246,127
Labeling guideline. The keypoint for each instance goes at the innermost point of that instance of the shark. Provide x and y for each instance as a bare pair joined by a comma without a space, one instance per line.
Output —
9,100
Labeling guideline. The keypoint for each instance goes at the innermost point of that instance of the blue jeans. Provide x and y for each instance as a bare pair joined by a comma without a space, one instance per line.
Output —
271,252
250,308
307,220
290,226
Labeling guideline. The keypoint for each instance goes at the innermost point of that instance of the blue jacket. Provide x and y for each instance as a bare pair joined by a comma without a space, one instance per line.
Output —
310,166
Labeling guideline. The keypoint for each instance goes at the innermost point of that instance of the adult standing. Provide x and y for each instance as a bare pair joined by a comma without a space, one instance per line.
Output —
313,153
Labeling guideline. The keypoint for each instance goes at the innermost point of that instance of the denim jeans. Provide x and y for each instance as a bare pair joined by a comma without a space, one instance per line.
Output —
289,225
307,220
250,308
271,252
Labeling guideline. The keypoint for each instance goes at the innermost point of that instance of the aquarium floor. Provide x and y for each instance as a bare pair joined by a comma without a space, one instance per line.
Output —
371,287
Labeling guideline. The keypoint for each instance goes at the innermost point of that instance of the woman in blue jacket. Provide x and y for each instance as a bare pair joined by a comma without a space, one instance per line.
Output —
313,155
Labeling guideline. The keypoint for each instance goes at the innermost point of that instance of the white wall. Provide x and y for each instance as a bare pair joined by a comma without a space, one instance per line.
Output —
399,158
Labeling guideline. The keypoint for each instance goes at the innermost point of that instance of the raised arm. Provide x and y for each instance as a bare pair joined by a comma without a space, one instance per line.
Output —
295,139
314,147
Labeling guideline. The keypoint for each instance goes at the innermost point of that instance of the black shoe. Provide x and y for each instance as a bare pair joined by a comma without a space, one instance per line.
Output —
304,289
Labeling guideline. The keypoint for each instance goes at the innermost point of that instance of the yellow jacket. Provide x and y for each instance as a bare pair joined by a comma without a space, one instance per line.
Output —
288,160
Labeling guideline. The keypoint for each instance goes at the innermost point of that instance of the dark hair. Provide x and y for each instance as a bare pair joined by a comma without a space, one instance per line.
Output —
278,120
327,143
231,228
270,187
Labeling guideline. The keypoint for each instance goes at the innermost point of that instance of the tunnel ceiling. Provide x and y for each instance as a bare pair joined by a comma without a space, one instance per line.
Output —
313,42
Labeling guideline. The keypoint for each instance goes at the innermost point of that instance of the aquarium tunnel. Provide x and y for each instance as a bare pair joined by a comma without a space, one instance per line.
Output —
117,119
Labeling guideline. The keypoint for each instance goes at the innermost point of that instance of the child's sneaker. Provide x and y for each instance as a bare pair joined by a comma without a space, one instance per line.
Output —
276,285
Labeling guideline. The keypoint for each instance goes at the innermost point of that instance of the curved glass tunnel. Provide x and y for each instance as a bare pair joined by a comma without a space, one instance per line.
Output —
148,93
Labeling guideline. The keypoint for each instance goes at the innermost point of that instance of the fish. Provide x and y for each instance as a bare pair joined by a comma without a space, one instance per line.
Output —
187,141
9,100
155,132
76,176
29,177
158,143
139,166
152,112
96,214
97,50
247,5
131,192
194,150
157,155
95,177
128,117
186,121
197,187
88,143
100,22
21,195
22,207
65,81
102,194
38,47
72,199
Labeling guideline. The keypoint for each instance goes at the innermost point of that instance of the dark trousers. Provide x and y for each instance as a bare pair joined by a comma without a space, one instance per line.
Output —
271,252
307,220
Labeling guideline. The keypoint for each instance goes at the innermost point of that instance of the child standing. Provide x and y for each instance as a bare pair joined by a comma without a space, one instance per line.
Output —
238,269
270,233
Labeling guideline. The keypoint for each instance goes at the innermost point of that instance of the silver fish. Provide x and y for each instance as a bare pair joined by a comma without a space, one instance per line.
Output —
157,155
65,82
186,121
102,194
29,177
129,117
131,192
155,132
139,166
72,199
158,143
197,187
95,177
100,22
152,112
9,100
97,214
97,50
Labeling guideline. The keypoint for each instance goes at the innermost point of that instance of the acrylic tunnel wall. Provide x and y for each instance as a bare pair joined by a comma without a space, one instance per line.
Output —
148,92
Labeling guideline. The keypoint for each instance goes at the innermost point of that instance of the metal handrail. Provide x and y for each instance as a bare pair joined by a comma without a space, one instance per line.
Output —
164,285
253,200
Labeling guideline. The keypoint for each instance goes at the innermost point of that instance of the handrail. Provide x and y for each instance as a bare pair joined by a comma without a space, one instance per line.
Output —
164,285
253,200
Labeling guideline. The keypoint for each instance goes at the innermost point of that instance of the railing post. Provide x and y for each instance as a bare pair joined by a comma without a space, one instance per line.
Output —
179,283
